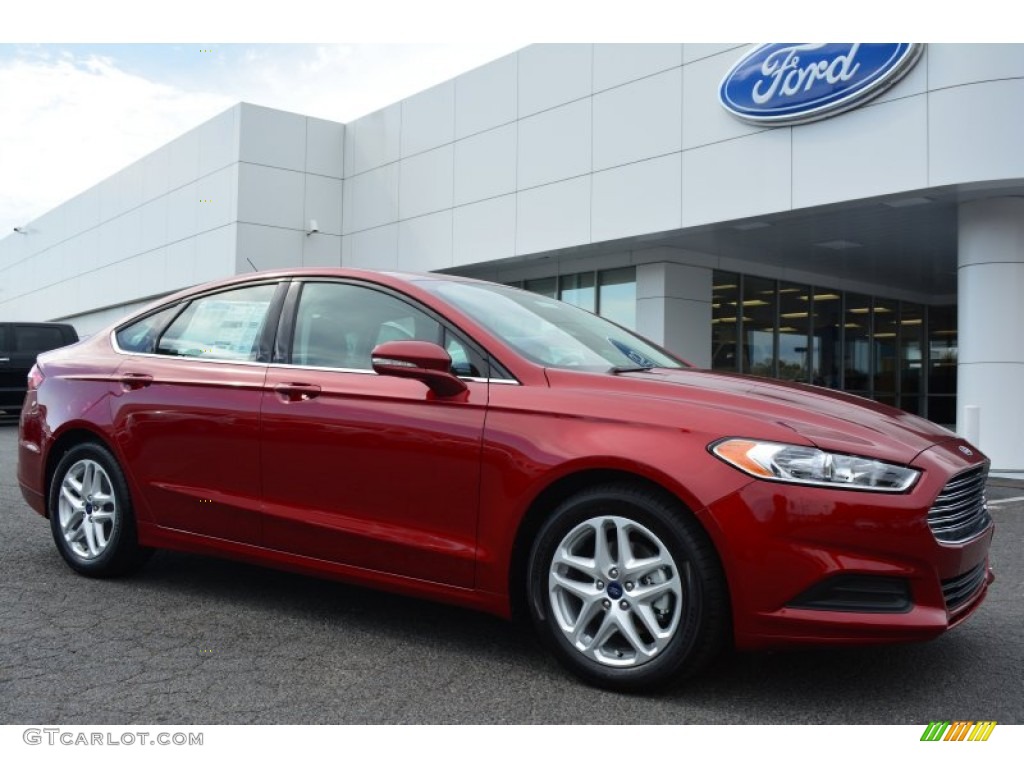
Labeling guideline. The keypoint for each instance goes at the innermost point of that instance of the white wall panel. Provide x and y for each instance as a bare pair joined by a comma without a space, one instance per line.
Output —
218,198
950,65
270,137
182,160
267,247
325,145
375,248
428,119
640,120
153,233
183,212
696,51
874,150
553,216
323,203
485,165
179,264
425,243
985,145
321,250
155,180
704,119
553,74
426,182
371,199
270,196
618,63
743,177
637,199
218,141
555,144
373,140
484,231
486,96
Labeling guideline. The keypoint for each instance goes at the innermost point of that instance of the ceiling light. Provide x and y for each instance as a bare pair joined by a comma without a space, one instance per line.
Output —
907,202
839,245
749,225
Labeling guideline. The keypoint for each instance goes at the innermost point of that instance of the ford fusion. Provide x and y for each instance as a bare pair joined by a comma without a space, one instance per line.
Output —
473,443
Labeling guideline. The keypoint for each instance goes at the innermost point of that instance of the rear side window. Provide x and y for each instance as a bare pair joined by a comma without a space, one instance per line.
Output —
222,326
141,335
29,338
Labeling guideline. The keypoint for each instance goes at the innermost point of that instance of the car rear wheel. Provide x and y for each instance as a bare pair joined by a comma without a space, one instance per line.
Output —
91,513
626,588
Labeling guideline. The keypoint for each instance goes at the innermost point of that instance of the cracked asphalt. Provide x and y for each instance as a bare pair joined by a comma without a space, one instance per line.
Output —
193,639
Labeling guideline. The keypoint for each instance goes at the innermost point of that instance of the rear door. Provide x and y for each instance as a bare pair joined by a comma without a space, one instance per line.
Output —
187,415
366,470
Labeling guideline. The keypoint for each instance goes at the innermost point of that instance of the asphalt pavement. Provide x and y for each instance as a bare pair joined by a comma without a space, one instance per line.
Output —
194,639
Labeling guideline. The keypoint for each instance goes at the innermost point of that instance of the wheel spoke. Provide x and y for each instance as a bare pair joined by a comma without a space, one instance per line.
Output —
602,555
582,564
628,630
648,593
625,547
646,615
587,613
99,534
74,518
66,494
90,539
582,590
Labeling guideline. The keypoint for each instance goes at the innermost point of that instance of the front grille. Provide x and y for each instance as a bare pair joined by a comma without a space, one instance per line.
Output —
960,589
960,511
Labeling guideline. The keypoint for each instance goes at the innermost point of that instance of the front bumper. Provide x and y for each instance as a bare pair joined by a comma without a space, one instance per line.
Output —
791,552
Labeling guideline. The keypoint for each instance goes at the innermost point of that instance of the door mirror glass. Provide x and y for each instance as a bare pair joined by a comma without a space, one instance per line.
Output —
420,360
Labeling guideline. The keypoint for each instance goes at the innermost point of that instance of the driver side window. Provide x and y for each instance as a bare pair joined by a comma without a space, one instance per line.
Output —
339,324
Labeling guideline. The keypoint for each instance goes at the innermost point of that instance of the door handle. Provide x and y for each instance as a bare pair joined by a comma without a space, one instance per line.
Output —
293,393
132,381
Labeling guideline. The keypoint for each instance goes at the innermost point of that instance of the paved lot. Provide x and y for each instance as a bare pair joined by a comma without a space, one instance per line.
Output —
198,640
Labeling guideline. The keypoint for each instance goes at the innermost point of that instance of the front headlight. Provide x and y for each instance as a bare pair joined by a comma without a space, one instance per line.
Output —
807,465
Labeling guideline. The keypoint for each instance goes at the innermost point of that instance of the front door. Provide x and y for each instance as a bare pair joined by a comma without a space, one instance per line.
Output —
366,470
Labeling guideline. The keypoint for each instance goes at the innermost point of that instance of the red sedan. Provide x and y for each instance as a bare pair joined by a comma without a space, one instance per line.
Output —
474,443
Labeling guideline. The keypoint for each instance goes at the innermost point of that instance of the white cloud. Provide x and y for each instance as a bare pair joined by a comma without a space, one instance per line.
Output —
71,122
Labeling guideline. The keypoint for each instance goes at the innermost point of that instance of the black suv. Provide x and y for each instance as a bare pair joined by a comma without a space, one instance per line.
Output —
19,345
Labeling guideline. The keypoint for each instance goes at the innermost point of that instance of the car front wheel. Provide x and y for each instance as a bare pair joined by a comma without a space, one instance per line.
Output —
91,513
626,589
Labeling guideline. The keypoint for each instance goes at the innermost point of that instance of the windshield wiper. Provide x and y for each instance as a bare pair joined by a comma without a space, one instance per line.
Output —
630,368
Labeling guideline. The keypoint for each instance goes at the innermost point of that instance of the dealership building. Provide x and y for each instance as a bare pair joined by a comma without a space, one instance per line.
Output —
846,215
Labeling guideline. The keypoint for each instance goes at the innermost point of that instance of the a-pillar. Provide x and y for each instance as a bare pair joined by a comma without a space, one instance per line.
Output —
674,308
990,362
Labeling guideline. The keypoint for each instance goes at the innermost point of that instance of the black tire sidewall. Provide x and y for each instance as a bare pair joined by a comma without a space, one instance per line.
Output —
688,550
122,547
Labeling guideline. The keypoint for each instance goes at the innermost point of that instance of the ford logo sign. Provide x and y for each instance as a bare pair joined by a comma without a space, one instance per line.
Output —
791,83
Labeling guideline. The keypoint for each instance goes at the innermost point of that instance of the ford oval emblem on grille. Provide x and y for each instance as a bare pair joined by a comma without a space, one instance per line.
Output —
966,451
791,83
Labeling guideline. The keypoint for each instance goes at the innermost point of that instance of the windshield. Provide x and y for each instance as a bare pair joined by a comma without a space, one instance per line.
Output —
550,332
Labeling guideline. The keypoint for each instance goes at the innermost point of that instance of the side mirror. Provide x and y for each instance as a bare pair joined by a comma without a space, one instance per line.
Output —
418,360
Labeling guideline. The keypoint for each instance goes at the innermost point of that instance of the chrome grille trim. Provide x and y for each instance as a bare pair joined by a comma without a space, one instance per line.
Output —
959,590
960,511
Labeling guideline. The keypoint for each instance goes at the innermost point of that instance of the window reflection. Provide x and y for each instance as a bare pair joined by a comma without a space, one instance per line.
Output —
758,305
794,324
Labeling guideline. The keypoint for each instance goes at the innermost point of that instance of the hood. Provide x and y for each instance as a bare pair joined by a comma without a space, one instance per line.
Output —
829,419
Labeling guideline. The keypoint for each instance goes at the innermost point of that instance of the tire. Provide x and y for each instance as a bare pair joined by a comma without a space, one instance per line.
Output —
91,515
630,623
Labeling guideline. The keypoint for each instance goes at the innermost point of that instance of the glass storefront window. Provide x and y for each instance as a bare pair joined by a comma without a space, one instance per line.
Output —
578,289
759,307
725,319
942,357
793,329
827,340
545,286
884,345
911,337
857,345
616,299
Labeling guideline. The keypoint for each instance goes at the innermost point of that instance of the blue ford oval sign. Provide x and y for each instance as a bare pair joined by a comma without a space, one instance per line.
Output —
790,83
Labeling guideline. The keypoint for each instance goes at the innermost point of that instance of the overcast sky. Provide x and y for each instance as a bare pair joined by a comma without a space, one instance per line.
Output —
73,114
